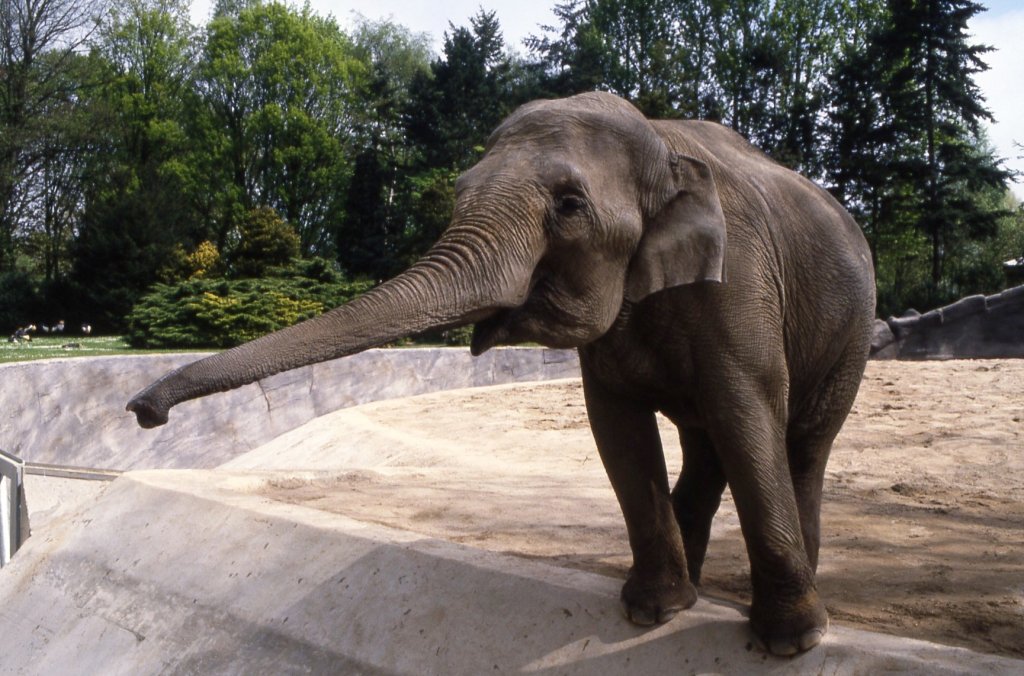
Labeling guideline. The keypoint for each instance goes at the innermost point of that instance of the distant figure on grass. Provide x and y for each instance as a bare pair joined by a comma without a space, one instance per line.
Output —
22,334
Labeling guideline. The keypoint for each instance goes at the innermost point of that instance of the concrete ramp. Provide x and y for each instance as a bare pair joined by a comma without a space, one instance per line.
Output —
194,572
365,541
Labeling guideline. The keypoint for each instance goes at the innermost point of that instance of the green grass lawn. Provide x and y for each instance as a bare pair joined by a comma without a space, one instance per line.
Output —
47,347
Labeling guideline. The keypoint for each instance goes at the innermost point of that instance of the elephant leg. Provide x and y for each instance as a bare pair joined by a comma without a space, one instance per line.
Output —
697,496
811,432
786,614
808,456
657,586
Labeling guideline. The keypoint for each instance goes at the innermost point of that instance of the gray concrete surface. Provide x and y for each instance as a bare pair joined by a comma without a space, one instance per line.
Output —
176,572
71,411
182,571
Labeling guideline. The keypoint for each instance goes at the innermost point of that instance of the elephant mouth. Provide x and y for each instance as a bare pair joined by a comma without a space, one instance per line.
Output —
491,331
502,325
541,318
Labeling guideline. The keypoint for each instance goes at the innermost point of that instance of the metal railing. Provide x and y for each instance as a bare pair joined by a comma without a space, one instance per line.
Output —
70,472
14,528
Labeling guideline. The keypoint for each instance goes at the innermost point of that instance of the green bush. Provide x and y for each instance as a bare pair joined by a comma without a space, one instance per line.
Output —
265,240
201,313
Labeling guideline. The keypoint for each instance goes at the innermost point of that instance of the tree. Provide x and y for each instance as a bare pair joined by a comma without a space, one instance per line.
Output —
452,111
573,62
977,265
909,158
806,39
637,50
758,66
931,84
640,44
394,57
278,85
466,95
55,190
265,241
39,45
137,194
862,148
370,238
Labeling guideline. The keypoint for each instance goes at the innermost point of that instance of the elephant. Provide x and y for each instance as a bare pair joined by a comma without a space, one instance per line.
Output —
695,277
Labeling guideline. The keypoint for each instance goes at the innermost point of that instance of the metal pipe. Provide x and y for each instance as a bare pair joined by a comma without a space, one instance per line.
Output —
14,528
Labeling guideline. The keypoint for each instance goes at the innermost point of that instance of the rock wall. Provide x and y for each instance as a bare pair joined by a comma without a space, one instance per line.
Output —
976,327
71,411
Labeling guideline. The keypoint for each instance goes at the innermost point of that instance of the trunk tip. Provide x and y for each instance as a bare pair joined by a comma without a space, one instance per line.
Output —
146,413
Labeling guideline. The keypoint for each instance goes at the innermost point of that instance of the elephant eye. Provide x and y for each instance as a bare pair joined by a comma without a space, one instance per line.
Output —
569,204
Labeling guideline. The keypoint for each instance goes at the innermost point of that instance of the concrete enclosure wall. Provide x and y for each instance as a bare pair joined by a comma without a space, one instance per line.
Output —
986,327
71,411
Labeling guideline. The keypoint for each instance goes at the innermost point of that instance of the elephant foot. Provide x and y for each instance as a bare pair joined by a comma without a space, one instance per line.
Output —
647,601
790,629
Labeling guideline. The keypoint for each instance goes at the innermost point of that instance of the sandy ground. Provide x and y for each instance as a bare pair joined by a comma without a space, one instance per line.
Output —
923,519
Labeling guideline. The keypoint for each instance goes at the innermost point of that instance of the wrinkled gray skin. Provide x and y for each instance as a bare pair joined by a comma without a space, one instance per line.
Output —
696,277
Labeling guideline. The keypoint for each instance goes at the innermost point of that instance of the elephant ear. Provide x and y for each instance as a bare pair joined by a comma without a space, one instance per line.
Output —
684,239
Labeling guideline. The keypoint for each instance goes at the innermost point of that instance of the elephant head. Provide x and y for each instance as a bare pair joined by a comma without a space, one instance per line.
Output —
576,206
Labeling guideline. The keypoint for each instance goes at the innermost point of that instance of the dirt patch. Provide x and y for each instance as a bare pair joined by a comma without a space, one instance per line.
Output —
923,520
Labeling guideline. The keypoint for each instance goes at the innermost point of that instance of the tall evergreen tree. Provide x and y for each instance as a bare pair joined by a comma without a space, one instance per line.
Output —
942,108
936,111
465,95
369,240
572,60
452,111
862,148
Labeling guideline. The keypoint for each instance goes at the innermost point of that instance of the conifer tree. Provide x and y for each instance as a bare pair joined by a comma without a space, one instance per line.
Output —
454,108
936,114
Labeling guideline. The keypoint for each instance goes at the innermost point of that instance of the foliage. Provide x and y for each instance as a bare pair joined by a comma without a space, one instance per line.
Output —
370,237
264,241
278,89
205,260
909,158
433,193
203,313
136,148
761,67
39,45
455,108
135,205
640,41
18,296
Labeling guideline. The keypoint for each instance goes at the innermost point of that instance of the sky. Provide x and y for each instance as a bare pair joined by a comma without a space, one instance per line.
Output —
1001,27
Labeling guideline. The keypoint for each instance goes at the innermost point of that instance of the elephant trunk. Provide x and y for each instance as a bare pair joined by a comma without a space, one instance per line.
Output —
463,279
